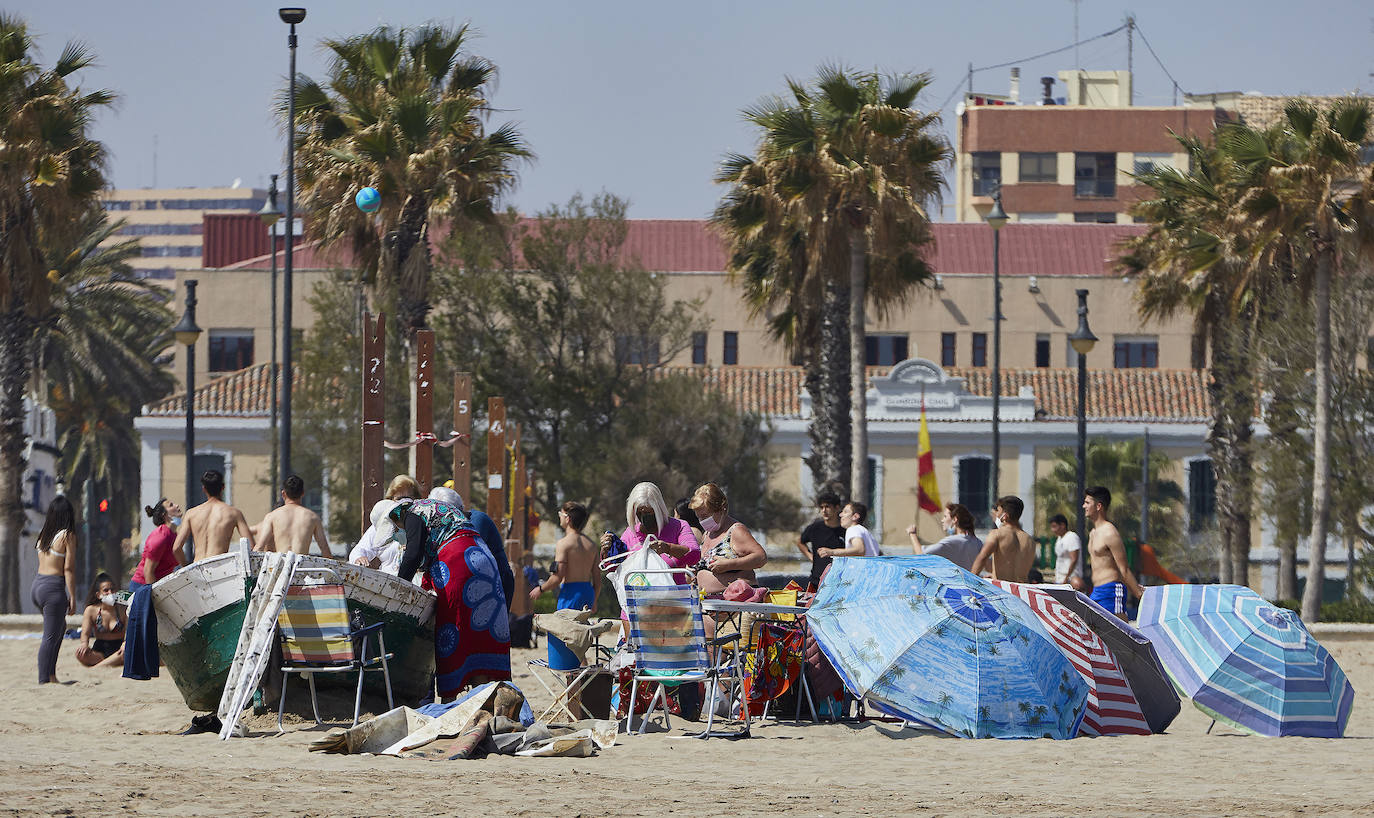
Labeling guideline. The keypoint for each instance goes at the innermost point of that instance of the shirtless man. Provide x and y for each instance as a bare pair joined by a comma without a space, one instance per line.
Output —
1111,575
211,524
1010,549
292,526
574,568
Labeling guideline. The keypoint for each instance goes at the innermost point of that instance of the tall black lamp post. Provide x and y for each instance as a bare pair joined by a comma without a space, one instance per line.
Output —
270,215
290,16
1082,340
187,332
996,219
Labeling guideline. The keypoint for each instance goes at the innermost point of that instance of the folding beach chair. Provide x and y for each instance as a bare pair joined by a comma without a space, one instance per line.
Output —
669,644
566,685
316,637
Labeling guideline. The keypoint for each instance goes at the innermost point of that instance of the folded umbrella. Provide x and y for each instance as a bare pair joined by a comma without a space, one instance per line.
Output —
924,639
1112,708
1134,653
1245,662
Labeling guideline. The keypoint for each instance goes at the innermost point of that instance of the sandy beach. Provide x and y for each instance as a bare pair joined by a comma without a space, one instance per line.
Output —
106,745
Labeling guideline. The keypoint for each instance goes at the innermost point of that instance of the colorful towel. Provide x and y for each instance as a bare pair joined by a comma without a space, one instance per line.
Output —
471,628
773,663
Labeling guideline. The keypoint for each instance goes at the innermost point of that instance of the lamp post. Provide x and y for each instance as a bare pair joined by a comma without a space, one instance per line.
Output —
270,215
996,219
290,16
188,333
1082,340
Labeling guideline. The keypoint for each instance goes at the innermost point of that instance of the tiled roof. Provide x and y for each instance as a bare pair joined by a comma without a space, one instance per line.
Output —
690,246
1159,395
1262,111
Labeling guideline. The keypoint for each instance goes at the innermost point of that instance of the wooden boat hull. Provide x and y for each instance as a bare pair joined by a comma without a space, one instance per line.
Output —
200,611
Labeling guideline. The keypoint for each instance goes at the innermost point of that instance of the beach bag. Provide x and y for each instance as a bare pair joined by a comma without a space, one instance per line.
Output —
632,570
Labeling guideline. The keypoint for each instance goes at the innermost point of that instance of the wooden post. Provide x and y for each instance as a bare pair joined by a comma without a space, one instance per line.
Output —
496,461
422,412
374,411
462,425
515,544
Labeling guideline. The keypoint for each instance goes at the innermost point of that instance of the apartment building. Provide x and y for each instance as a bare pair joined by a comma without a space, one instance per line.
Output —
169,223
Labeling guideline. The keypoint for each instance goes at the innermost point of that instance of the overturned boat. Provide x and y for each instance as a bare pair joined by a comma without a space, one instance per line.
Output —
201,608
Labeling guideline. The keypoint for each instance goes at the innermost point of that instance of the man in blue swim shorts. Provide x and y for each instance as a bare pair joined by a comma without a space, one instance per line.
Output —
574,575
1111,576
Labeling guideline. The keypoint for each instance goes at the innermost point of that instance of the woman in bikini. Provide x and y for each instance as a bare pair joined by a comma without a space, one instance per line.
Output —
54,588
731,552
102,626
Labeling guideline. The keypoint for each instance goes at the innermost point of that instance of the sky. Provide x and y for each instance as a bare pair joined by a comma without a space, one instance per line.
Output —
643,99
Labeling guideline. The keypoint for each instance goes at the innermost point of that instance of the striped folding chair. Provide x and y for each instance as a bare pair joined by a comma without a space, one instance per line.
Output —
316,637
669,644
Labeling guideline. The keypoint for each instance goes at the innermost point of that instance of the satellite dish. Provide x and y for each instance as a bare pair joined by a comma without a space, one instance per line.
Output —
235,185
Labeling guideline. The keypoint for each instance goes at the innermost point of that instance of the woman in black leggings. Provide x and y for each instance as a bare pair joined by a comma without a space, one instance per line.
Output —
54,588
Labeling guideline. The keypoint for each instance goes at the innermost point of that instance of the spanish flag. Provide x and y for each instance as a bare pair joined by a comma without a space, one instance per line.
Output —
927,491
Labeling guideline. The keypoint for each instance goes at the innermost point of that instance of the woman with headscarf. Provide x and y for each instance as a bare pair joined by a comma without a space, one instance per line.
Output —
471,628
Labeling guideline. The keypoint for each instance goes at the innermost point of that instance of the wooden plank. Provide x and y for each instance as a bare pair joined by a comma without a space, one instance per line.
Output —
462,426
422,412
515,544
496,460
374,412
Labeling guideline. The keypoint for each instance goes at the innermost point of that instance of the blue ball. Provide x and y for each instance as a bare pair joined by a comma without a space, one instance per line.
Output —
368,200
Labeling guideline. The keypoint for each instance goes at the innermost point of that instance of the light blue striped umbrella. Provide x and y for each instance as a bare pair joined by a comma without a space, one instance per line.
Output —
1245,662
924,639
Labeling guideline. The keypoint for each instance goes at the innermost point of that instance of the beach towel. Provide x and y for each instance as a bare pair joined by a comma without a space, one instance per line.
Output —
141,657
471,628
771,666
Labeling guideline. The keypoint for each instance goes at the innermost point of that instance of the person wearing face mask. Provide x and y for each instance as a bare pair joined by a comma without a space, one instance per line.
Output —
731,551
102,626
959,546
647,514
159,557
1009,552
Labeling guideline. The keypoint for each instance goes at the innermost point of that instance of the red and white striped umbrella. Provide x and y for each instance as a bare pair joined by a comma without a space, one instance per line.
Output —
1112,706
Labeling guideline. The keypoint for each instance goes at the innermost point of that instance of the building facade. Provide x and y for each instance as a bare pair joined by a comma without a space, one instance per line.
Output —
169,223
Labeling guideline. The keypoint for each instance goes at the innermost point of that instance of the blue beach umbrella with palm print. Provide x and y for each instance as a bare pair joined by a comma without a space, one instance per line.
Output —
924,639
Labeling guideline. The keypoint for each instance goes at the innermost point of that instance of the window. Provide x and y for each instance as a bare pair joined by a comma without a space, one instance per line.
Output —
1136,352
230,349
975,485
1039,167
202,463
884,350
730,353
170,252
980,349
698,347
1095,218
636,349
1042,351
1149,162
987,173
1202,494
1038,217
947,346
1094,175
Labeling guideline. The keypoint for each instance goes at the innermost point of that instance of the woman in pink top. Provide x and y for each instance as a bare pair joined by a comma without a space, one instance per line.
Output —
159,559
645,514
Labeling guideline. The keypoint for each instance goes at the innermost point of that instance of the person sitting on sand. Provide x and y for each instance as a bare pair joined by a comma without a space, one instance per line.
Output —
574,576
292,526
102,626
212,524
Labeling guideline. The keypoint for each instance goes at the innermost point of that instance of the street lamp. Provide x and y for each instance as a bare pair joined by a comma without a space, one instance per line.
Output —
996,219
186,332
290,16
270,215
1082,340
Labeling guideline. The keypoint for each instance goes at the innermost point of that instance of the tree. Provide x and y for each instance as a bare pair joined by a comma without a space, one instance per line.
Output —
99,343
403,111
1116,465
850,166
1311,187
50,172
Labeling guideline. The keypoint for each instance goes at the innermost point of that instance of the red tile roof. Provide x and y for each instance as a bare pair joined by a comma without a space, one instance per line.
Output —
690,246
1157,395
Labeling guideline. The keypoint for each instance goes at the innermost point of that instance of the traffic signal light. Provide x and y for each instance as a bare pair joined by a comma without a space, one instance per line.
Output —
104,506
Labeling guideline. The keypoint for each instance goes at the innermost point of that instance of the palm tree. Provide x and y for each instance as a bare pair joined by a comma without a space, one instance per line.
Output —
843,176
1311,188
50,172
98,343
403,111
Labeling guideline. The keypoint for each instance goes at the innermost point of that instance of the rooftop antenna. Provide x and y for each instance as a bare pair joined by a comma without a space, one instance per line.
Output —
154,160
1130,58
1076,63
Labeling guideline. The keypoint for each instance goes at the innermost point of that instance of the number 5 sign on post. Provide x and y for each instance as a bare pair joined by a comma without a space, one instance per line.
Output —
462,426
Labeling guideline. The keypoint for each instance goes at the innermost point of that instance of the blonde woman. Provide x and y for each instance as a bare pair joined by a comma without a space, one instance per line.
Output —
730,549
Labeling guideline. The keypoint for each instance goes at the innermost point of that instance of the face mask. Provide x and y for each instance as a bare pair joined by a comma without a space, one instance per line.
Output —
996,522
709,525
175,521
951,530
648,522
108,599
400,537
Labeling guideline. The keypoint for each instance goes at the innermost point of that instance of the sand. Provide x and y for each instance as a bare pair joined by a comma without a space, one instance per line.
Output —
104,745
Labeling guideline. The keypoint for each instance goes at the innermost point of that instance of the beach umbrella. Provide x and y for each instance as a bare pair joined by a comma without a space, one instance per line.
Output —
1112,709
1133,652
923,639
1245,662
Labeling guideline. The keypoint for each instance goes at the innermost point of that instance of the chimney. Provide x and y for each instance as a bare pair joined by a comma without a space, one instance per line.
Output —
1048,82
1015,93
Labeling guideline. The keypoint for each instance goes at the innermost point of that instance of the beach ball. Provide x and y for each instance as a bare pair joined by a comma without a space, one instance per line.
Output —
368,200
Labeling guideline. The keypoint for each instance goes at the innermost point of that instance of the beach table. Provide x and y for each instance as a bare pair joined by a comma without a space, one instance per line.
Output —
735,611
